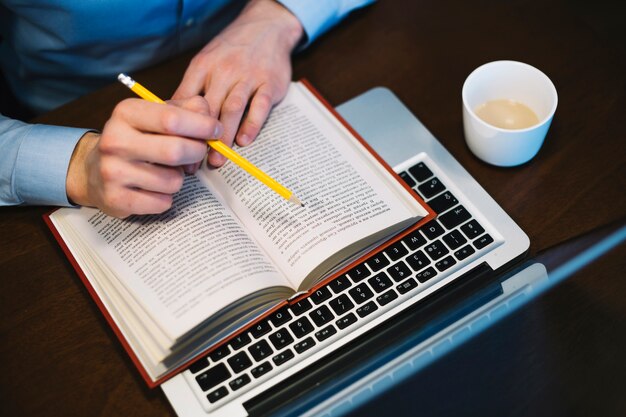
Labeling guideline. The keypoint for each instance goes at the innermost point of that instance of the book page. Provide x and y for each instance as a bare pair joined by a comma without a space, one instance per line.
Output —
345,198
181,266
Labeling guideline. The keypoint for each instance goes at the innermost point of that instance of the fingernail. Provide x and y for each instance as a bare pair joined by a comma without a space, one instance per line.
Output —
217,133
216,159
244,140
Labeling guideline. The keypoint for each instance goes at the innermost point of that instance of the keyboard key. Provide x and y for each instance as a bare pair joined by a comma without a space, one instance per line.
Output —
454,217
426,274
199,365
240,341
432,230
262,369
420,172
260,350
281,339
300,307
387,297
464,252
417,260
396,251
359,272
341,304
214,376
239,362
218,394
320,295
361,293
483,241
280,317
321,316
260,329
415,240
377,262
340,284
304,345
380,282
407,286
239,382
301,327
431,188
325,333
454,239
346,320
366,309
407,178
443,202
472,229
283,357
445,263
399,271
436,250
219,353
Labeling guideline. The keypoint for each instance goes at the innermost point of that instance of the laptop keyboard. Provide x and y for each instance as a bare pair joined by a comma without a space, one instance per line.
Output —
397,272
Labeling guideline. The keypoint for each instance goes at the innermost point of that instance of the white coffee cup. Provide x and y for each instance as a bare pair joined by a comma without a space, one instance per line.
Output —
509,80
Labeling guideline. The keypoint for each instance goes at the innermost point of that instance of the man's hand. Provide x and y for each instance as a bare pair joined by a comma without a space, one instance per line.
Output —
136,164
248,64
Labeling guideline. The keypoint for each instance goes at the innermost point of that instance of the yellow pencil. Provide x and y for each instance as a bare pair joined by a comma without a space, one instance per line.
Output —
219,146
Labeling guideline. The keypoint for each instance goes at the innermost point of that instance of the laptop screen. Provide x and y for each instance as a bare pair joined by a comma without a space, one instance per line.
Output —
452,352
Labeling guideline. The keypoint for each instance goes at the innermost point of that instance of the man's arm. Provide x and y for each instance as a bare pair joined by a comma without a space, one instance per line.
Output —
34,161
134,166
318,16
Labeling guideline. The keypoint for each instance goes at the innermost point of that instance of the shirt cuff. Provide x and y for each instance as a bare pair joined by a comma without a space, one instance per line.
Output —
317,16
42,164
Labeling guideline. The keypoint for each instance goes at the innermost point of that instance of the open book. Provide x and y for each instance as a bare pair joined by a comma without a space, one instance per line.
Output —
173,285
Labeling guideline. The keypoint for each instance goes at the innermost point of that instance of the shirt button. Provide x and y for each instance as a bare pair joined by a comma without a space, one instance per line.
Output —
189,22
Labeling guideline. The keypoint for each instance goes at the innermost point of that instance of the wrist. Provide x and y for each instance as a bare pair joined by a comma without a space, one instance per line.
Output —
278,17
76,182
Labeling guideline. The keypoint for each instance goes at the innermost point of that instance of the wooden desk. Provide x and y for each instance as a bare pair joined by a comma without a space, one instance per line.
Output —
58,355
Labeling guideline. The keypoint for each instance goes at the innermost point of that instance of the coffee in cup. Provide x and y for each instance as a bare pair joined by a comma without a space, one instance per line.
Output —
507,109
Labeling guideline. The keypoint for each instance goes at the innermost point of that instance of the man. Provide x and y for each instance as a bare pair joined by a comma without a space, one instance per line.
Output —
55,51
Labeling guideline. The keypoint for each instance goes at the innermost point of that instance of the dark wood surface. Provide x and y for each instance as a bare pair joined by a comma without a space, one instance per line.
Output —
58,355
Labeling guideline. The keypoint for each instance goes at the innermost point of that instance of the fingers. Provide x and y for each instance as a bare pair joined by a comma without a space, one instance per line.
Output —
121,188
195,79
192,168
231,113
160,134
142,175
197,104
216,92
137,164
126,202
145,116
259,110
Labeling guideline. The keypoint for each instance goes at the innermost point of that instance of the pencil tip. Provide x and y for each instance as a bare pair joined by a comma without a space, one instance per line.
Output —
295,200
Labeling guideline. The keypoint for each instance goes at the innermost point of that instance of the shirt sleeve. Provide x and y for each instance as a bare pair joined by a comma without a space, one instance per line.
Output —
317,16
33,162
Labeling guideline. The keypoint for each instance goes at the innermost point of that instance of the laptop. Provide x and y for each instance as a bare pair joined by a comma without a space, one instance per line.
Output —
495,341
297,348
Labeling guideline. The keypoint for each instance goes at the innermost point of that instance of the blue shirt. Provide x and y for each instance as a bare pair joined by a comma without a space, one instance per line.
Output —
55,51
